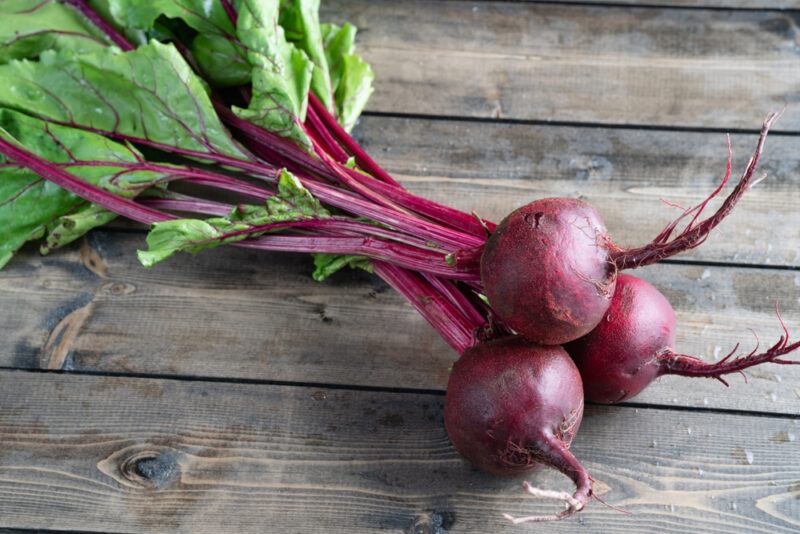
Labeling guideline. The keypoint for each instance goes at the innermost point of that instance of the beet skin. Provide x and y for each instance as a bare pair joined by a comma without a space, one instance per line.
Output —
546,270
633,345
512,406
620,357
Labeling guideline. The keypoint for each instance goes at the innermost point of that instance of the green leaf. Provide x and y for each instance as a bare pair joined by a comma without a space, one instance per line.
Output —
149,93
17,6
135,36
68,228
281,73
351,76
354,90
186,235
292,203
223,62
327,264
31,27
205,16
338,42
292,195
300,20
31,206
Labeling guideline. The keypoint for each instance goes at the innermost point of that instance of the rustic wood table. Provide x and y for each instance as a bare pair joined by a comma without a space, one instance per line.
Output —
231,393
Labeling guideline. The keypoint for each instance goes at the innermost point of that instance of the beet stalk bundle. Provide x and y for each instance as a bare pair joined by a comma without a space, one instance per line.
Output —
158,112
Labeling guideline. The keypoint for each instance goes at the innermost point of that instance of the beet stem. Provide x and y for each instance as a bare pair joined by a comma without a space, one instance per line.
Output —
362,158
693,235
316,127
230,11
70,182
440,313
388,186
111,32
392,204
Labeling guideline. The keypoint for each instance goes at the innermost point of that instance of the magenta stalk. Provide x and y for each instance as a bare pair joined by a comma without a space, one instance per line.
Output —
440,313
121,206
693,235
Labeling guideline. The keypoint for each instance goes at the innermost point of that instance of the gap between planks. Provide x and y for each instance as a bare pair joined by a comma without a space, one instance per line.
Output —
372,389
243,456
775,132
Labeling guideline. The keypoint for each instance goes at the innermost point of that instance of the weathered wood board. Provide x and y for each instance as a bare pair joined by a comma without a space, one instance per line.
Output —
697,4
597,64
230,313
173,456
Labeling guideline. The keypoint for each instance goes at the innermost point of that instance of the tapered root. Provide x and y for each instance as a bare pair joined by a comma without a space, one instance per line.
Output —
681,364
696,230
559,456
574,505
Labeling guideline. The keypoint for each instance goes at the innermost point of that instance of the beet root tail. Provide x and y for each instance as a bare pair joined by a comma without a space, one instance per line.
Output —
696,230
562,459
684,365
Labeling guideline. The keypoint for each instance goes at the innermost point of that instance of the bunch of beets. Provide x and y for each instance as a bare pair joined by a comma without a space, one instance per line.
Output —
537,307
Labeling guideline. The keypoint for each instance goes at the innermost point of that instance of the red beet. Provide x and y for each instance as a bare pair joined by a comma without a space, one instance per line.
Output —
549,269
546,270
632,346
512,406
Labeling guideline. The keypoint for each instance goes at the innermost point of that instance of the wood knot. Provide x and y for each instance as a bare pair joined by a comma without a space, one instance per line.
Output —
118,289
433,522
143,466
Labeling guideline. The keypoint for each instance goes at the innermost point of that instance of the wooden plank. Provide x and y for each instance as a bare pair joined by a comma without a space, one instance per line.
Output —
147,456
699,4
40,531
597,64
238,314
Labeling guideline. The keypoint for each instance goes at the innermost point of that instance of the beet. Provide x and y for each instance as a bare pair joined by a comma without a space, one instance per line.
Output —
549,269
553,245
632,346
512,406
618,358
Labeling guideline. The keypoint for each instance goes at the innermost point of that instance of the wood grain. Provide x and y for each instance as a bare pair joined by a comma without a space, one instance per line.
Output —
41,531
238,314
596,64
699,4
153,456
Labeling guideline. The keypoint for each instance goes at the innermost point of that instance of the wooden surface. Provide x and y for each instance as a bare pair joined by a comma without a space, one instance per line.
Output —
595,64
696,4
231,393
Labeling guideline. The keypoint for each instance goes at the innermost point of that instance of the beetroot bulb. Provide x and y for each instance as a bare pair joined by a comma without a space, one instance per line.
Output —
512,406
549,269
632,346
